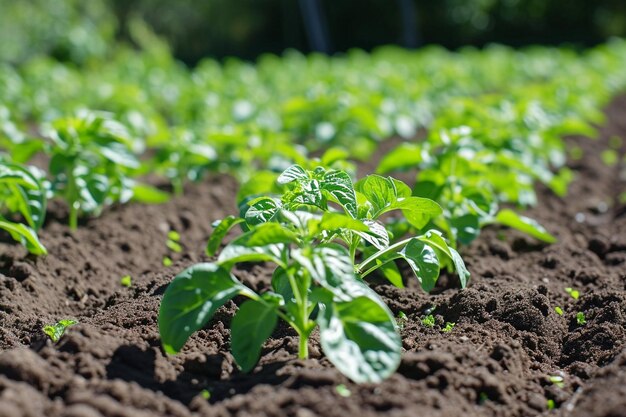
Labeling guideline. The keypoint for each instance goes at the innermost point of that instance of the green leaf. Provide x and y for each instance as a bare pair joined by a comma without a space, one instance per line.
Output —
460,267
339,185
291,174
466,228
524,224
392,273
404,156
376,234
253,323
417,210
191,300
336,221
240,250
268,234
56,331
143,193
261,210
25,235
379,191
423,261
219,232
359,337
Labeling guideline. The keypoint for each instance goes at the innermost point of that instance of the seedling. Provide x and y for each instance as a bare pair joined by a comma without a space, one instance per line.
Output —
316,282
429,321
56,331
173,241
580,318
167,261
343,391
402,319
550,404
448,328
126,281
558,310
557,380
575,294
206,394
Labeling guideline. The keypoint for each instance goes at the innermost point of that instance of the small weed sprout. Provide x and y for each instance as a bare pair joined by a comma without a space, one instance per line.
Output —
575,294
343,391
448,328
557,380
126,281
580,318
56,331
558,310
429,321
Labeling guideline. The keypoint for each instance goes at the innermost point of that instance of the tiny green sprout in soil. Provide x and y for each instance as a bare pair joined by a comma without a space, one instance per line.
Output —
55,331
580,318
609,157
575,294
173,241
558,310
402,319
557,380
206,394
448,328
126,281
343,390
429,320
482,398
550,404
167,261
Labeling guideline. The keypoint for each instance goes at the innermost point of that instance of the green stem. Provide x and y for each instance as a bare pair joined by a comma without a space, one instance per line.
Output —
73,217
303,347
360,267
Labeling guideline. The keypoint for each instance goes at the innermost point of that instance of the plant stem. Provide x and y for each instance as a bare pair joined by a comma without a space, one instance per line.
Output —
73,218
303,347
360,267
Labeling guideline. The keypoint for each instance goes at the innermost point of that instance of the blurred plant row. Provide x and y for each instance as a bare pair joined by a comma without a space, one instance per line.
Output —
478,127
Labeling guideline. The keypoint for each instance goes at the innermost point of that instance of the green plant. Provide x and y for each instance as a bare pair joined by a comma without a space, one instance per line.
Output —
22,192
575,294
92,157
448,328
558,310
580,318
343,391
316,282
126,281
428,321
173,241
55,331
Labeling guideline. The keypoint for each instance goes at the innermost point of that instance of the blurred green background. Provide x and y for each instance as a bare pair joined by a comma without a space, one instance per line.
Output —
75,30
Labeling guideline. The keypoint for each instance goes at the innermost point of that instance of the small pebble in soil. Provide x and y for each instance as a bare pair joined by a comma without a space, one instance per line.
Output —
580,217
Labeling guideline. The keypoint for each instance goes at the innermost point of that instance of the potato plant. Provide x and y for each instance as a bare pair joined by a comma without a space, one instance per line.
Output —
22,192
311,235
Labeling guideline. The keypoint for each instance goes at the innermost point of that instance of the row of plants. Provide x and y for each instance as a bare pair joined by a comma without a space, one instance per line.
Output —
478,130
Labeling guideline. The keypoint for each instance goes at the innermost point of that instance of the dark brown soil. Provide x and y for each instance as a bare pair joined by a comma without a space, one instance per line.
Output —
497,361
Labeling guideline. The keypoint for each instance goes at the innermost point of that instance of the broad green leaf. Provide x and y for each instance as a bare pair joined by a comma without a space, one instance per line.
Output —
219,232
404,156
379,191
14,174
191,300
339,185
359,337
376,234
240,250
25,235
261,210
524,224
417,210
392,273
335,221
143,193
253,323
423,261
466,228
291,174
268,234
